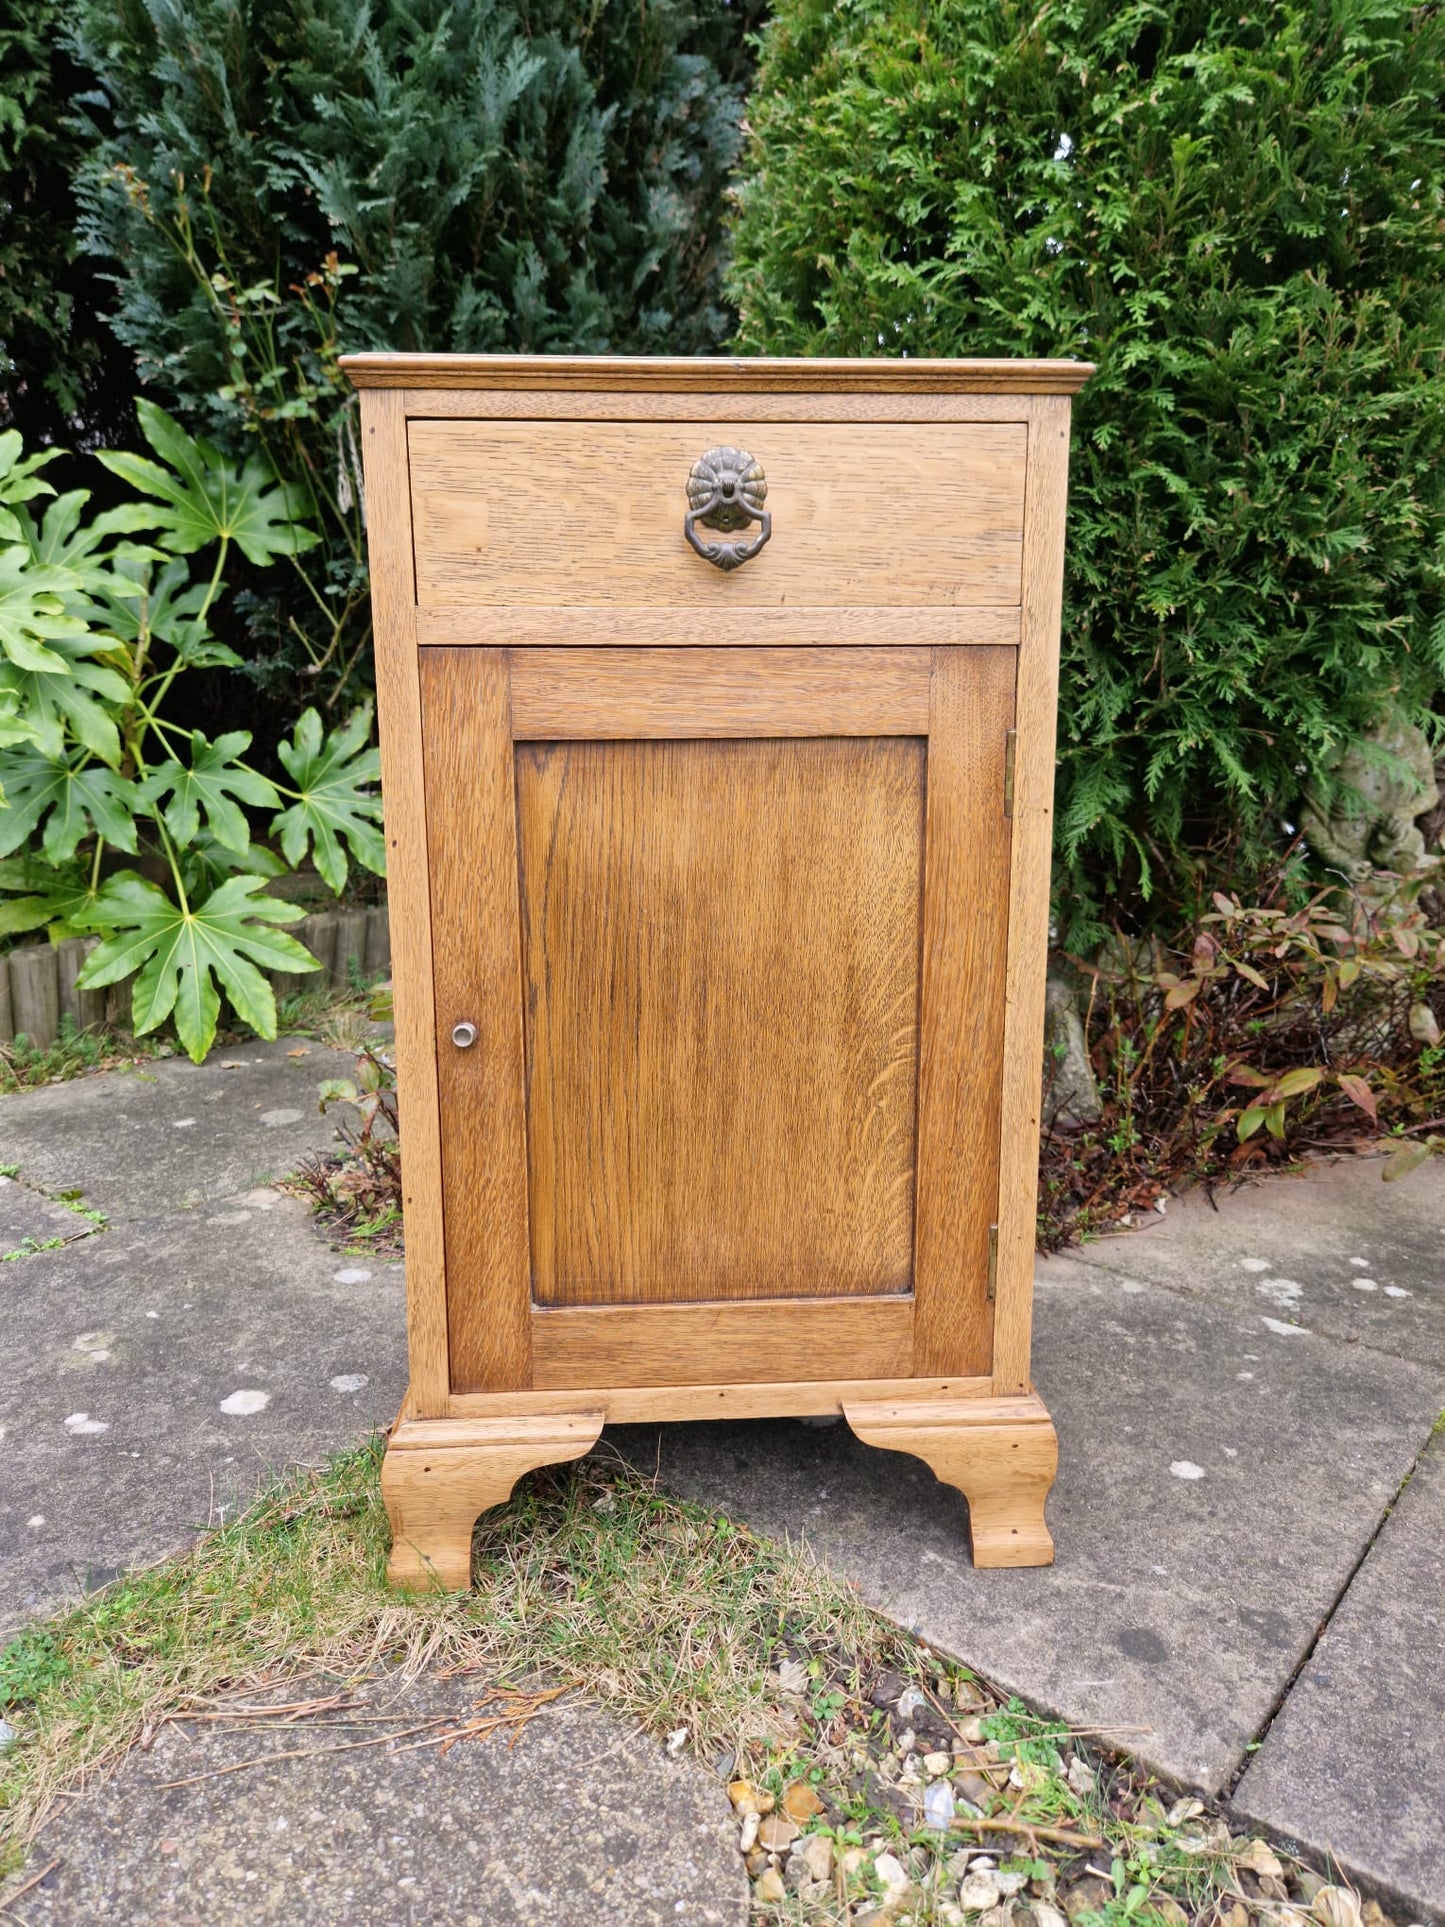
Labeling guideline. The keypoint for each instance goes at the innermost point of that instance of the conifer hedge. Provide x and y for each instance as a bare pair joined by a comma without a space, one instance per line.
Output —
274,182
1236,211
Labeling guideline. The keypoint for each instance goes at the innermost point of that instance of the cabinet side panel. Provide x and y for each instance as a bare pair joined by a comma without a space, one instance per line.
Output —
388,495
476,941
1045,505
965,908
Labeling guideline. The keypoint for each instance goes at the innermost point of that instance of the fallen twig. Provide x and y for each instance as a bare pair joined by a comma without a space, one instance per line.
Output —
1059,1836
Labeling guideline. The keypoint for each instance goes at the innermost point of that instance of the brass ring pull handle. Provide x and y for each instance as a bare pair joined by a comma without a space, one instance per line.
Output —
726,490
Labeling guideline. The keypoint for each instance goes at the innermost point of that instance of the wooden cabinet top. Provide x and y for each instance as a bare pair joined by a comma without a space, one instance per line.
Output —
718,374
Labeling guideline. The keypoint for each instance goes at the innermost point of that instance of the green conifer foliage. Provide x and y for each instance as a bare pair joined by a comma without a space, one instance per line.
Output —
1237,212
280,181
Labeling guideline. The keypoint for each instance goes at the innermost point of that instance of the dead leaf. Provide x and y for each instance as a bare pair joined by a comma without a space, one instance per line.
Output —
305,1051
1408,1158
1336,1907
1260,1860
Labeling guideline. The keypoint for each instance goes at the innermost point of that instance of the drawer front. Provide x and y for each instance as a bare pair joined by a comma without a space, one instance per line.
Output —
589,514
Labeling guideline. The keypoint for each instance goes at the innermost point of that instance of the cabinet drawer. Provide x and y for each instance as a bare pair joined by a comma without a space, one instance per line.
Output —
589,514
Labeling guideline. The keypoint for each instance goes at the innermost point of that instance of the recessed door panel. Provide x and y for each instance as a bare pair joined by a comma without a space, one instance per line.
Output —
721,948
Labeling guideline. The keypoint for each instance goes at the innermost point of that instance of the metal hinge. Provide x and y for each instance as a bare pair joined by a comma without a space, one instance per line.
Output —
992,1261
1010,738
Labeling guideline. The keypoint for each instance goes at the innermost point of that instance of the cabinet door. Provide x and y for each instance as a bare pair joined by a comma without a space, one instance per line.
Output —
729,926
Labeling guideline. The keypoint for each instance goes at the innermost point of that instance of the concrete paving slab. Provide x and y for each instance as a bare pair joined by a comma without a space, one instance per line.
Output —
169,1134
1335,1249
157,1373
1354,1765
585,1821
28,1218
1217,1483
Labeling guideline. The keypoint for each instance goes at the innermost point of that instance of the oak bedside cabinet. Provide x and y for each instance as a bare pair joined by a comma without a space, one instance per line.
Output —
717,712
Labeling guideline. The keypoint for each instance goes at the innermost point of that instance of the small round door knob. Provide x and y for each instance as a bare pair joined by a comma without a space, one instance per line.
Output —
464,1035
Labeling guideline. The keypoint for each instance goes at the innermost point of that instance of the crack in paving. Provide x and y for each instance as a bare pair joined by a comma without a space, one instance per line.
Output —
28,1210
1281,1699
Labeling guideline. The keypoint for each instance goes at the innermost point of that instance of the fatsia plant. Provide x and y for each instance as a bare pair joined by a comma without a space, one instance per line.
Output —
100,616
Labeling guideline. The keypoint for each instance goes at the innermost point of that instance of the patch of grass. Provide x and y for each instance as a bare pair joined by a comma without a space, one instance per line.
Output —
343,1019
75,1053
772,1671
28,1247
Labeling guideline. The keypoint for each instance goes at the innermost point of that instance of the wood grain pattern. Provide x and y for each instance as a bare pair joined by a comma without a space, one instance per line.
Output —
515,513
793,1339
576,693
651,374
964,935
468,744
681,405
720,945
1028,927
576,625
383,441
1004,1467
434,1492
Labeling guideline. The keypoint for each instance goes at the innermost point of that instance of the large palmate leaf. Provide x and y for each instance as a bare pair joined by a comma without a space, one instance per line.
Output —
33,611
79,700
205,497
212,783
180,954
164,606
37,894
71,794
335,776
62,540
14,728
19,480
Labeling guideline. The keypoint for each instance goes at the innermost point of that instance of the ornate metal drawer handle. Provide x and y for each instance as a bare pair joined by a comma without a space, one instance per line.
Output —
726,490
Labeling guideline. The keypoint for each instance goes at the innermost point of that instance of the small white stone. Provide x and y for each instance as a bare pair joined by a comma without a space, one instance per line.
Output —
245,1404
182,1123
98,1358
1131,1285
1397,1291
1186,1469
7,1736
1246,1376
350,1382
978,1892
152,1314
1283,1330
81,1425
1255,1264
1364,1284
1363,1263
938,1805
892,1873
36,1522
284,1115
351,1275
